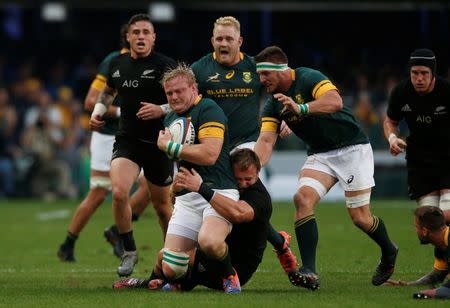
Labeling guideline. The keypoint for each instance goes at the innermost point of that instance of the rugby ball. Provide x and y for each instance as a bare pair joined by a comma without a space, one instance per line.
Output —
182,131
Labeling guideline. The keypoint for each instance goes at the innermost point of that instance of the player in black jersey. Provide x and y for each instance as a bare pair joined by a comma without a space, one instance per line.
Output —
135,77
423,101
247,241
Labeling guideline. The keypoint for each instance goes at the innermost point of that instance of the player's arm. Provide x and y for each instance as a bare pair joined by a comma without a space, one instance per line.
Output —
264,146
328,102
205,153
234,211
95,90
104,101
391,131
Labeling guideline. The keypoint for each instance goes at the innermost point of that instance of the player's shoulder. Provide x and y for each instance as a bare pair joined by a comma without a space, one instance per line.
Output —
163,59
443,83
403,87
203,61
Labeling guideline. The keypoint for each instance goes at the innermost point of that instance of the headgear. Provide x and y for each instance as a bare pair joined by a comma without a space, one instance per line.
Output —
423,57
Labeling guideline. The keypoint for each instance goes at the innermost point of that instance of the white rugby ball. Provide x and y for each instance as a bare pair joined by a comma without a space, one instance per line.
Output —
182,131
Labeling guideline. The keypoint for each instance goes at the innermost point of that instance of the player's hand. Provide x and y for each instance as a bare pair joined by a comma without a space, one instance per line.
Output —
285,131
189,180
163,139
396,145
425,294
287,102
149,111
96,122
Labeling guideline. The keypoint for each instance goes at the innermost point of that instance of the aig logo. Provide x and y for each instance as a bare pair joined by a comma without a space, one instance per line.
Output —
130,84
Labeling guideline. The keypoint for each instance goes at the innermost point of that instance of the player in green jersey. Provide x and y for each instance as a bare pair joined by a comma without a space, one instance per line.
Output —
338,151
228,76
194,221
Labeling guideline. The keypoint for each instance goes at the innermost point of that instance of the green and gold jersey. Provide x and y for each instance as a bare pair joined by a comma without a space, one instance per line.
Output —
111,124
209,120
320,132
237,90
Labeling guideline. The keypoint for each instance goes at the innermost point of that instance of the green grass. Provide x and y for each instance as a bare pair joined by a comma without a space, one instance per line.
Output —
32,276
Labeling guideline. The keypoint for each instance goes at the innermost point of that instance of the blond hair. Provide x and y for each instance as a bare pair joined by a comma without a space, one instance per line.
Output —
228,21
182,70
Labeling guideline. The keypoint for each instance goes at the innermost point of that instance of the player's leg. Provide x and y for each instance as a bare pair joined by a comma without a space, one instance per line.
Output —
160,196
99,185
314,182
444,203
123,174
139,201
373,226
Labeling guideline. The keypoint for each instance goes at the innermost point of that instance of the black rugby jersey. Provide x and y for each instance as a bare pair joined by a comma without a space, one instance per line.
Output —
136,81
427,117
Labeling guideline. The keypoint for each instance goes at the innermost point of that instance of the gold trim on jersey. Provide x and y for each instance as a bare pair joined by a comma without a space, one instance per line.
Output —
211,129
446,236
292,74
198,99
124,50
269,124
241,56
99,82
322,87
440,264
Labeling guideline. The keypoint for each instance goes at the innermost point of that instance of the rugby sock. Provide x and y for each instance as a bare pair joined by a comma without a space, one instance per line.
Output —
379,234
128,241
70,240
223,265
275,239
307,239
135,217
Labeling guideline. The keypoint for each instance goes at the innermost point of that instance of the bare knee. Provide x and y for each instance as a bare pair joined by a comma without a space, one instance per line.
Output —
361,218
211,245
119,195
303,201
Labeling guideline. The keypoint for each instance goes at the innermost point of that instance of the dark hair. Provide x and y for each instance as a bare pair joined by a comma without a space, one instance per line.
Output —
123,36
272,54
244,158
139,17
430,217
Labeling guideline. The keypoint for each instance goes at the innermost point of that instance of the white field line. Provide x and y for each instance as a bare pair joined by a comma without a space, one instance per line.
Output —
59,214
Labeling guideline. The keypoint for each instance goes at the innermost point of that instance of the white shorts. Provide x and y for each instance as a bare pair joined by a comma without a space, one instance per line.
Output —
191,209
352,166
101,151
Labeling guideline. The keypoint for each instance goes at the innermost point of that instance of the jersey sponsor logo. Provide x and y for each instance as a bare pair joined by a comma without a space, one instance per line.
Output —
130,84
116,74
213,78
423,119
299,99
247,77
406,108
440,110
230,74
350,179
146,74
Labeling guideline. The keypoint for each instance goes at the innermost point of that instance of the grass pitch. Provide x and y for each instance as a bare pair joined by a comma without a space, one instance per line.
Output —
32,276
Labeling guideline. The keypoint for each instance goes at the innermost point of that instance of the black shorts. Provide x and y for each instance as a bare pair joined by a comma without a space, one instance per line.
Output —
158,168
426,177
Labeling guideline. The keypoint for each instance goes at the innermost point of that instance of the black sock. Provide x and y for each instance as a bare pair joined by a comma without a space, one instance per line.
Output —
114,229
128,241
379,234
135,217
70,240
275,238
222,265
307,239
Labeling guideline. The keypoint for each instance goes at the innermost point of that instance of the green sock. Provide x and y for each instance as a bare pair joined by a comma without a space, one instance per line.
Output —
307,239
379,234
275,239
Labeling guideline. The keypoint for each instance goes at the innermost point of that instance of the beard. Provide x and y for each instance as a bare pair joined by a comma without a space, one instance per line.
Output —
424,240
